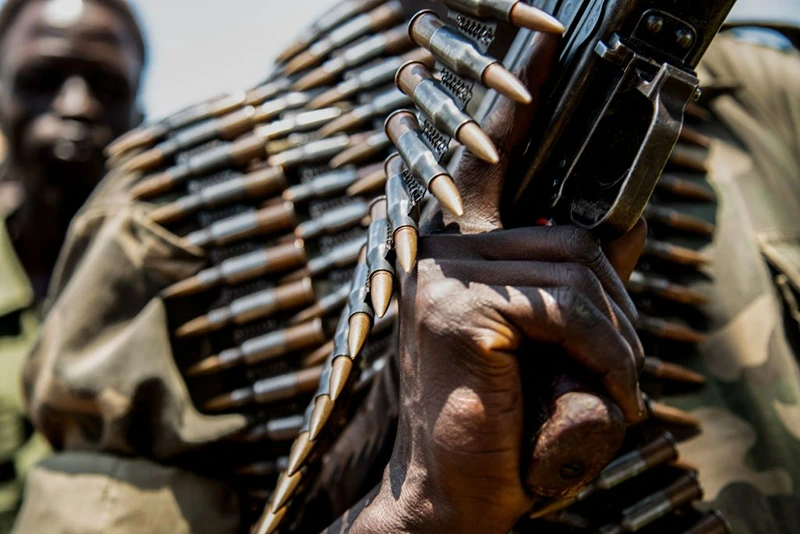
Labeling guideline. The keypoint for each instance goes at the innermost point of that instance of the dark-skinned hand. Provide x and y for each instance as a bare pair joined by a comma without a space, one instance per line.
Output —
478,292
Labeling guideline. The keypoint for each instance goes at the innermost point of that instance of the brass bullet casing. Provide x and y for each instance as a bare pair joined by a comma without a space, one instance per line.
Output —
671,371
515,12
263,469
341,256
284,490
687,159
325,306
304,121
151,133
335,220
675,254
236,154
677,220
274,430
669,330
379,18
376,143
266,91
671,415
459,54
313,152
685,188
272,109
361,313
712,523
262,348
381,272
246,309
646,283
264,182
369,184
660,451
227,127
242,268
438,106
402,129
403,213
267,220
693,137
684,491
327,22
369,77
393,41
324,185
380,105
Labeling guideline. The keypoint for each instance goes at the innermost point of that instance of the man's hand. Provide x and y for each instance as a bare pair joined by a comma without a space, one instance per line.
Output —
478,292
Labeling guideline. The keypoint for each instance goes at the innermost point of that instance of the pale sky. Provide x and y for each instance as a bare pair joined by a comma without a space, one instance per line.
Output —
199,48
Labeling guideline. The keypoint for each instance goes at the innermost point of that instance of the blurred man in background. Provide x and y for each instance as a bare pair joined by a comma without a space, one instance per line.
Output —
69,78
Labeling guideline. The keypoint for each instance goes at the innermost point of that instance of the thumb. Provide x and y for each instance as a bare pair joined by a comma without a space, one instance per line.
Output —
507,124
623,253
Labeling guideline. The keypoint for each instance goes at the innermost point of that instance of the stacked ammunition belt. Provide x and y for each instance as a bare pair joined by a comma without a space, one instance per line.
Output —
280,185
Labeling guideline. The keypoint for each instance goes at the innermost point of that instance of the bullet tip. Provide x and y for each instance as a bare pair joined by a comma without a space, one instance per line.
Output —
501,80
195,327
183,288
150,187
380,291
301,449
446,192
525,16
210,365
405,245
360,325
340,374
471,136
319,417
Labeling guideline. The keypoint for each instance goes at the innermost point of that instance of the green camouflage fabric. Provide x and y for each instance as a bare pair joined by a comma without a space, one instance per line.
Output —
102,386
747,452
19,324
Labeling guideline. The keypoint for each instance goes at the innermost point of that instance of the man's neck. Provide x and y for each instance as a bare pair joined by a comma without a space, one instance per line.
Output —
37,226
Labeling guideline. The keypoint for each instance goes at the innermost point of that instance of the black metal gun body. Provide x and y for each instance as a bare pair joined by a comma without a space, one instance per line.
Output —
613,111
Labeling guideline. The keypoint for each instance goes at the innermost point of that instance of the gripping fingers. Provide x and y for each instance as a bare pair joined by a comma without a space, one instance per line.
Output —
562,316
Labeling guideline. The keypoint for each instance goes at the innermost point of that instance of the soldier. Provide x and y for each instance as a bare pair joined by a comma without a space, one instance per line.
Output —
454,464
68,85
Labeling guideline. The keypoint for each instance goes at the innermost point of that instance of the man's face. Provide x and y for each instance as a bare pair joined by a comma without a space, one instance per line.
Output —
69,76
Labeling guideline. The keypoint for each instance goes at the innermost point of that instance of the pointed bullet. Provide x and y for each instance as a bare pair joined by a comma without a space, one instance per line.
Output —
301,449
131,140
471,136
525,16
302,61
446,192
671,371
167,213
269,522
292,50
315,78
285,490
693,137
319,356
212,364
405,245
380,291
340,374
145,161
320,416
669,330
183,288
670,415
152,186
195,327
360,325
675,254
501,80
685,188
372,183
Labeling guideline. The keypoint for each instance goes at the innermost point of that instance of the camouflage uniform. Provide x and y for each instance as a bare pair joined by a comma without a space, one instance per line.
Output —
102,381
750,407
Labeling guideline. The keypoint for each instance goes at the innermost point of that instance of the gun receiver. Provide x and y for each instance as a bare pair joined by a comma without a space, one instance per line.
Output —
614,108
